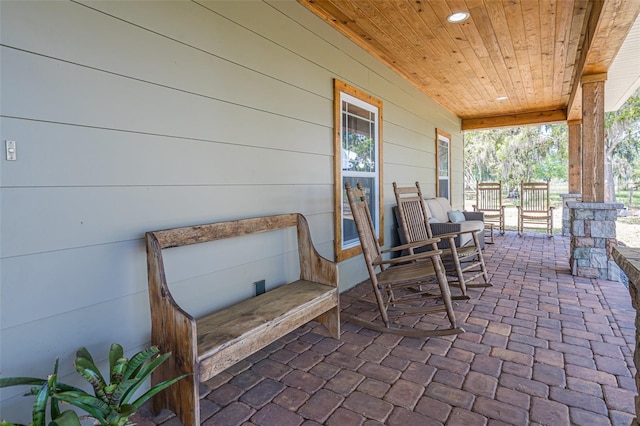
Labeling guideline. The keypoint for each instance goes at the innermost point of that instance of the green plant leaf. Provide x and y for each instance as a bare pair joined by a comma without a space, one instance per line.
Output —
138,360
127,410
143,372
40,406
89,403
115,354
121,390
156,389
83,354
53,386
68,418
87,370
117,373
18,381
150,367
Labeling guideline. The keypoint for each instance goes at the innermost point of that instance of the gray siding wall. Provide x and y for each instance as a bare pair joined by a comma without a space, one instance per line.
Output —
134,116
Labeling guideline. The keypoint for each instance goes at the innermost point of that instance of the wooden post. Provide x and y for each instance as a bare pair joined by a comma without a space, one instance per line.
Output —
593,138
575,156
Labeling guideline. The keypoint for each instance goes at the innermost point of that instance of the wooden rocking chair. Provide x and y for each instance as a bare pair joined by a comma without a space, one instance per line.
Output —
489,202
534,208
467,262
397,282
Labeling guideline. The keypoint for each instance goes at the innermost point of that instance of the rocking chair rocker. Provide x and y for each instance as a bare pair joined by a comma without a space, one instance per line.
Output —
397,283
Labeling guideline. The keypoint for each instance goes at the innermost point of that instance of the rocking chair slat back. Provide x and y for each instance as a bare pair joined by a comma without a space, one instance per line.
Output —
534,196
535,208
361,214
489,201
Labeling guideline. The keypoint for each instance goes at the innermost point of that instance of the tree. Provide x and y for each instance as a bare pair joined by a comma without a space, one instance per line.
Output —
622,132
516,154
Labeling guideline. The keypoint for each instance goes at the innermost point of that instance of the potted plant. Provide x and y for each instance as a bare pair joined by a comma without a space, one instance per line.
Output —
112,402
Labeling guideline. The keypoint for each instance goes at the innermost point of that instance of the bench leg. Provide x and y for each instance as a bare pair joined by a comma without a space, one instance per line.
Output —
183,397
331,320
184,400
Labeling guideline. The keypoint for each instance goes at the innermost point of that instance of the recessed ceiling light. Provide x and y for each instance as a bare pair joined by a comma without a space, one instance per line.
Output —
501,98
458,17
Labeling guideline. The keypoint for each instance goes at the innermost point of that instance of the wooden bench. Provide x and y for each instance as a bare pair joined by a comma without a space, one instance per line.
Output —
206,346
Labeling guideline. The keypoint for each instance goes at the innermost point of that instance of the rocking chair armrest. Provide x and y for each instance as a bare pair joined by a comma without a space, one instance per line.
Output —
456,233
409,258
415,244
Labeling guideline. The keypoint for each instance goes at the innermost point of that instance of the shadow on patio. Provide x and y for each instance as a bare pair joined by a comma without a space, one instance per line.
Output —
541,347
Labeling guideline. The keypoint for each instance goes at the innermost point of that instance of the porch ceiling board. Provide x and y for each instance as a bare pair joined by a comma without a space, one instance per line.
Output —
532,52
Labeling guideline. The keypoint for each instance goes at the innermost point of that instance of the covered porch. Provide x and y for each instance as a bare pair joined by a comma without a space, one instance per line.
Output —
541,347
132,116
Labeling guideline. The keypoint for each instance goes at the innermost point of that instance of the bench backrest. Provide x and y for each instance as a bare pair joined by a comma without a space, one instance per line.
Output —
313,267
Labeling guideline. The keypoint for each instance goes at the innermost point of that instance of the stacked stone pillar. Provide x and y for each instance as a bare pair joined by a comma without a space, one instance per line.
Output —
593,237
566,214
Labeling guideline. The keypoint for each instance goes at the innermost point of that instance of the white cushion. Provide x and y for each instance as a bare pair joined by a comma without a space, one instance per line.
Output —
445,205
469,225
435,207
472,225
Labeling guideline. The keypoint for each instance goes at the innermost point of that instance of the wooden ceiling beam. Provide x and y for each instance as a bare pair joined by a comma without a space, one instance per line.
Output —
574,107
513,120
609,24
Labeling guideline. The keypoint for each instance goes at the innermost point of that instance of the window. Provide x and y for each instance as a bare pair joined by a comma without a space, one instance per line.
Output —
443,164
357,158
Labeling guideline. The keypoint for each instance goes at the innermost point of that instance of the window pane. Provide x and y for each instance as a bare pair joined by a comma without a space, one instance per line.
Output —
349,231
358,139
443,188
443,158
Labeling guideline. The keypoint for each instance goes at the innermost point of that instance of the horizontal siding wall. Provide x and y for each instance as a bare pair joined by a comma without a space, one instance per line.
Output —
134,116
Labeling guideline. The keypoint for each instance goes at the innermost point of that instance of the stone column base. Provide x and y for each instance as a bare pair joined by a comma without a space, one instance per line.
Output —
593,237
566,215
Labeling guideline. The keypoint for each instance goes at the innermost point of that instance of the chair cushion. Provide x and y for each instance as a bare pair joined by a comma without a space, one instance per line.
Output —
472,225
469,225
456,216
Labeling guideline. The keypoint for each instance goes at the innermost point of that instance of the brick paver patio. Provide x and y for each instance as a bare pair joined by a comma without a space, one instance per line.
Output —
541,347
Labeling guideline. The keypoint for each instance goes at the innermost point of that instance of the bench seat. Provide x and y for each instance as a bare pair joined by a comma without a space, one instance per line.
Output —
226,337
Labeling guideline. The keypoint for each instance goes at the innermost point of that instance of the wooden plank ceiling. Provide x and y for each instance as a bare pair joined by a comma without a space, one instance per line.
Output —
533,53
